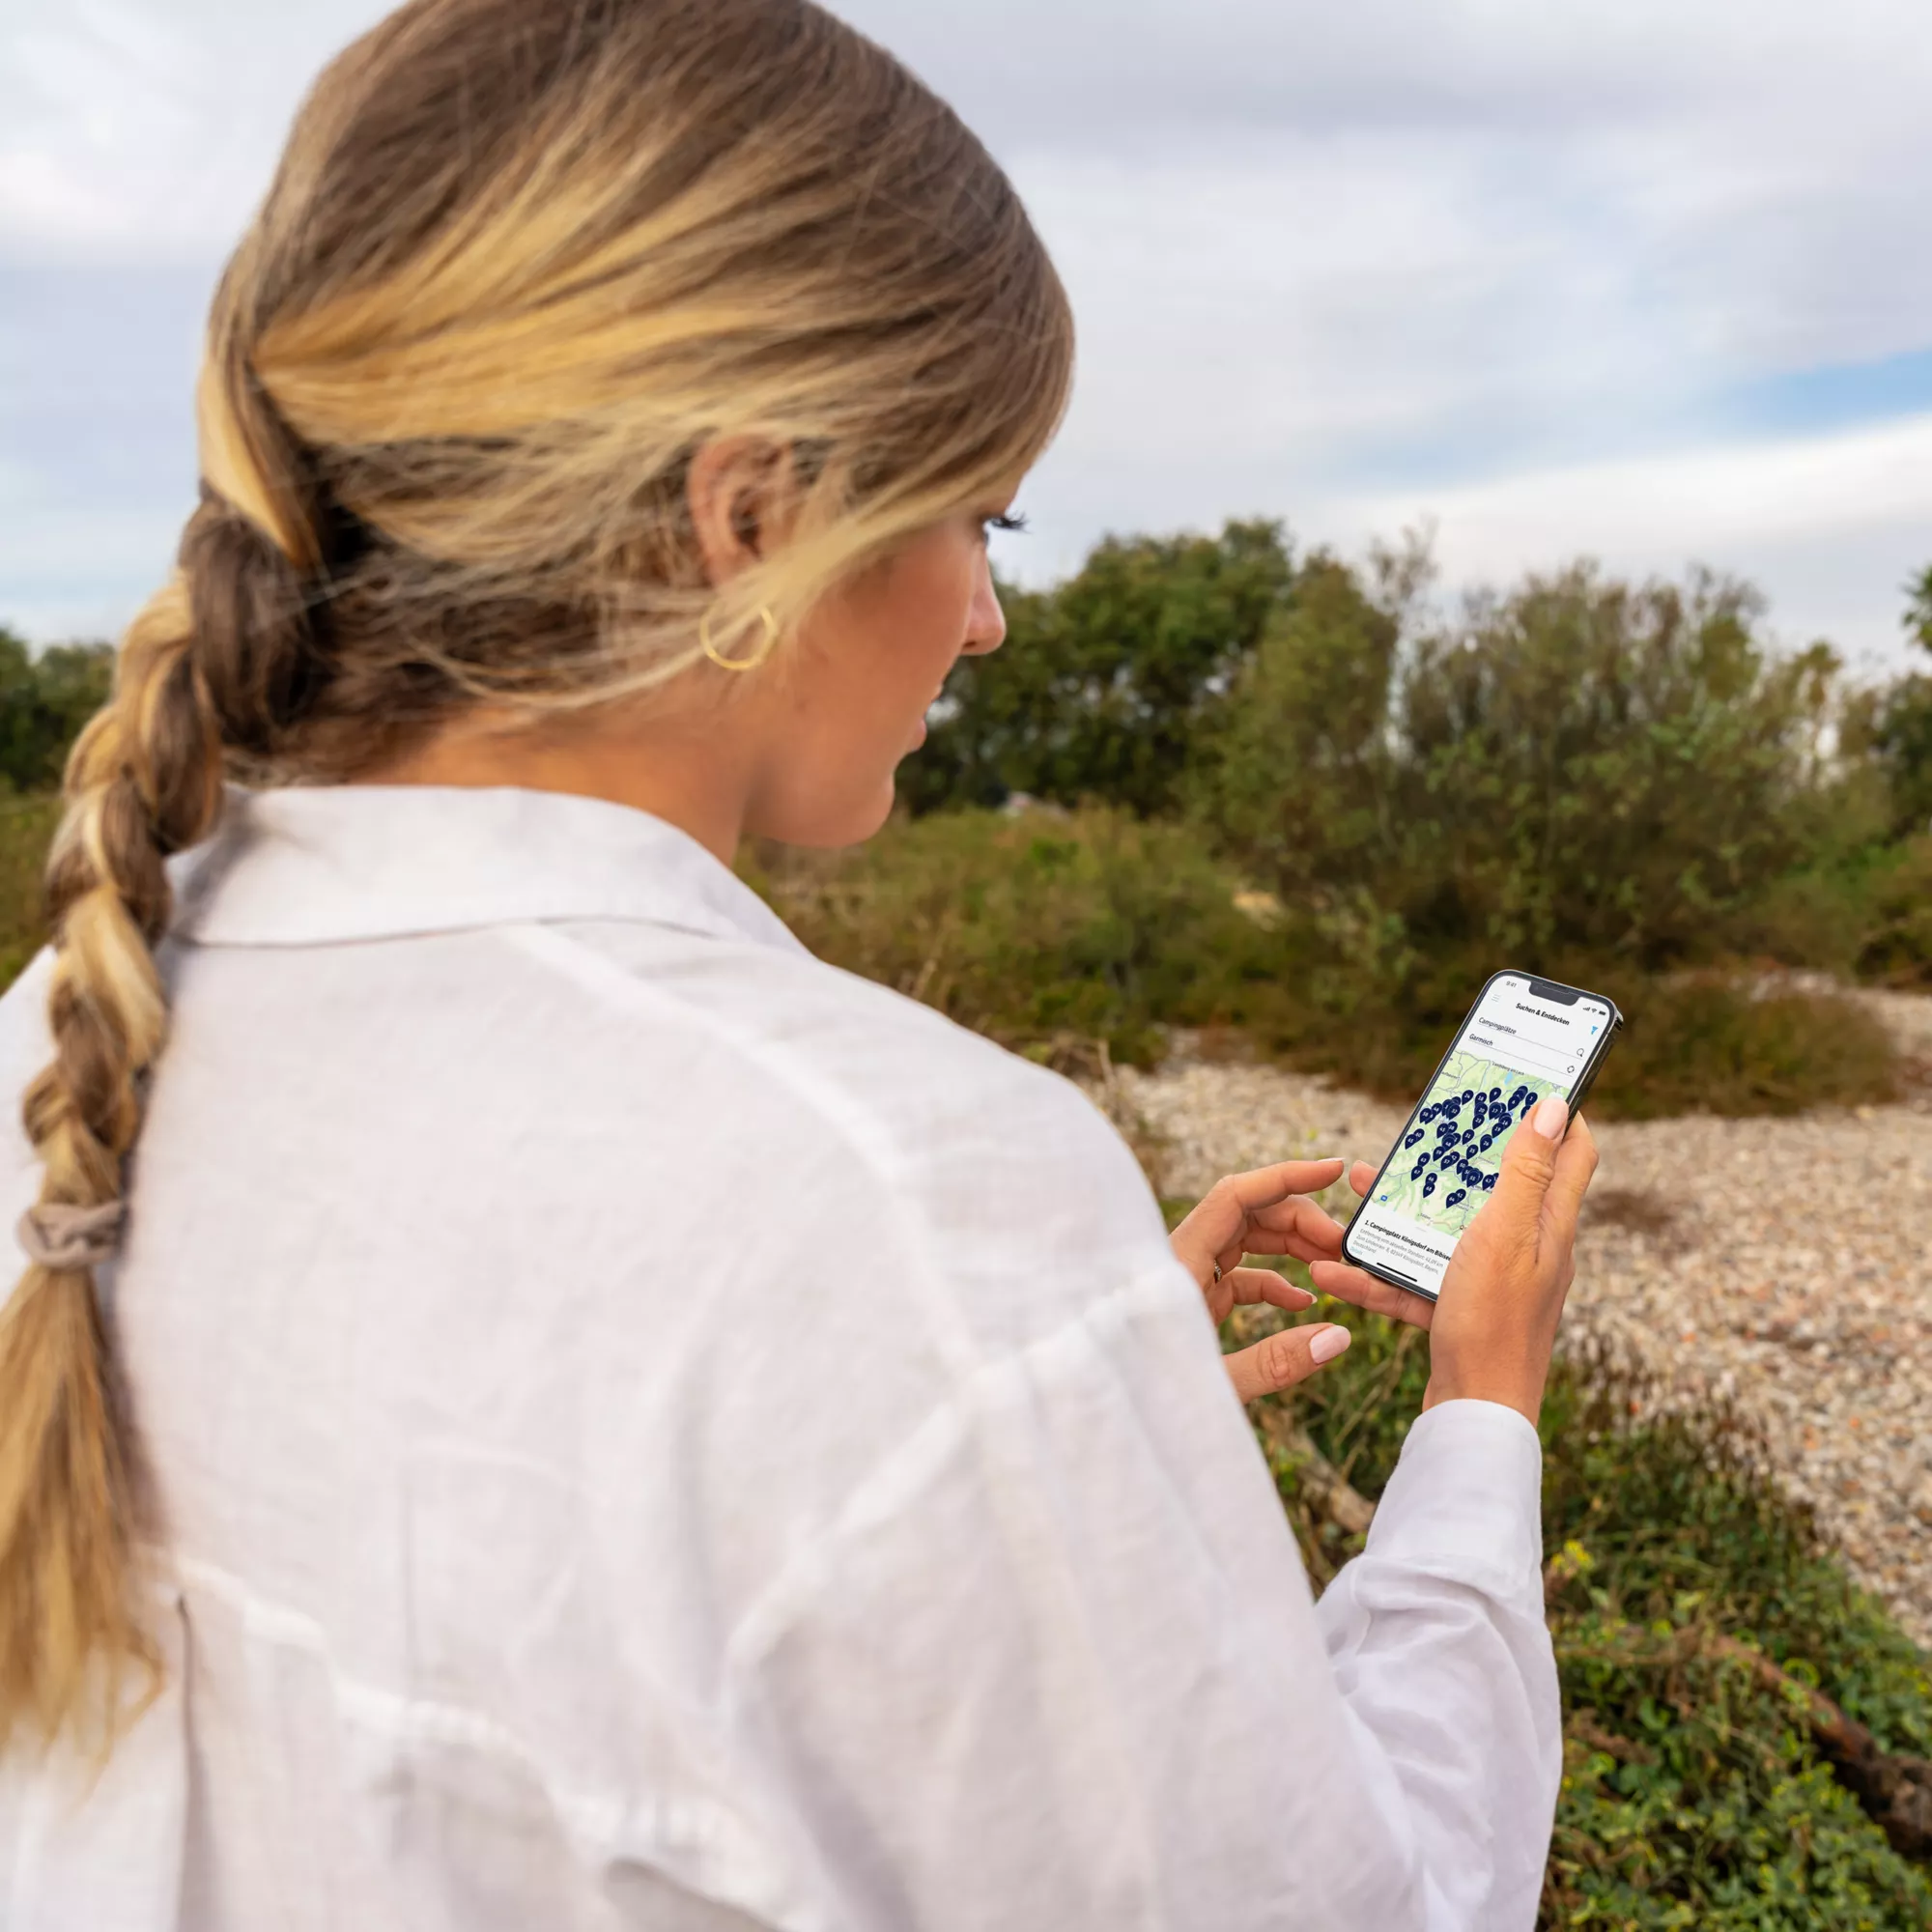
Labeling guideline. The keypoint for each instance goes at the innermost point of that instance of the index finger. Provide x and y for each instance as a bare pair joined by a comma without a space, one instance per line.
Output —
1262,1187
1219,1225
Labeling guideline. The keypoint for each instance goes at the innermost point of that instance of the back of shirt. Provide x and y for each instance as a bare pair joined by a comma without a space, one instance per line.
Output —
644,1430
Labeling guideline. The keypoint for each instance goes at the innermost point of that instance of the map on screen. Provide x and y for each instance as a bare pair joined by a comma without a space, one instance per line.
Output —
1447,1164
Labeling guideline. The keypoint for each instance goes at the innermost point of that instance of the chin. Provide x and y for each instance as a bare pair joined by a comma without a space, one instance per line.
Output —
849,822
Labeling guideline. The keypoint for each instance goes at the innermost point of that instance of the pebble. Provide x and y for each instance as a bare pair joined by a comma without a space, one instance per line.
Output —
1781,1267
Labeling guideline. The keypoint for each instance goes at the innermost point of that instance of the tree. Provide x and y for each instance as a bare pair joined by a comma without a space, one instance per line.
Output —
1902,726
1580,769
43,703
1300,782
1919,611
1109,684
1618,768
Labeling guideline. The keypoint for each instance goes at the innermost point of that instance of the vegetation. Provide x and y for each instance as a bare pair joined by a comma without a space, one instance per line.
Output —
26,829
1286,804
43,703
1694,1794
1060,934
1111,685
1615,784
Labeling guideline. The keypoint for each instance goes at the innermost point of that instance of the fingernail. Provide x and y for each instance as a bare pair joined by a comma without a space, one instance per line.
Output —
1325,1344
1551,1117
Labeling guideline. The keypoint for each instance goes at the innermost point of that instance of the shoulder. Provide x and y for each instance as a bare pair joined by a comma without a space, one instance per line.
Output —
1010,1171
23,1016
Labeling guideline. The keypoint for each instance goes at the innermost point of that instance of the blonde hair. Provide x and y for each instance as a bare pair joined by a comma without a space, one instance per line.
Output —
521,260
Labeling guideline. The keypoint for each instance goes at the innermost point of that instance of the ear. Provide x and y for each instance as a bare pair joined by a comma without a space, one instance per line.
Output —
743,499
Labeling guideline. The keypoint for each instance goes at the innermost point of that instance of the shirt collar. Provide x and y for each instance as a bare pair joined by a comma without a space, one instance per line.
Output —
309,866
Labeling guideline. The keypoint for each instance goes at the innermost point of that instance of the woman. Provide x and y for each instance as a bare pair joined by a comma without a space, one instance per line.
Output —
571,1412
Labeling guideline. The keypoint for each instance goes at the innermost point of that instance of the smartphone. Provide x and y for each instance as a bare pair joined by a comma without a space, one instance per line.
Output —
1524,1038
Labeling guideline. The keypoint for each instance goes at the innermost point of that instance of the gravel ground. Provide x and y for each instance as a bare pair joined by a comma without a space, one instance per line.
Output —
1784,1265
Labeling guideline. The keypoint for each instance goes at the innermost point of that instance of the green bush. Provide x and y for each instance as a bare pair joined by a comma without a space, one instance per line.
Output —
1693,1795
1705,1044
1577,769
1603,781
26,829
1052,932
1868,915
1902,721
1896,931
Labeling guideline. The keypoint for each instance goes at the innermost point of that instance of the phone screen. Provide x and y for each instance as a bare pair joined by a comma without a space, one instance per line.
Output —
1515,1046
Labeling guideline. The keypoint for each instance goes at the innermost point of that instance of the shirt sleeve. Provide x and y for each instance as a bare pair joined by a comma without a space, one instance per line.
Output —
1058,1664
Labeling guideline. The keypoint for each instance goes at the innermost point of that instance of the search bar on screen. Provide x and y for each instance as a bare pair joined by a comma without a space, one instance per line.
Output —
1514,1051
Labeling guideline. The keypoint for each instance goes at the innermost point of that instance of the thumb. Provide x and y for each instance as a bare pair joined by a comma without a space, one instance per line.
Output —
1280,1360
1529,1162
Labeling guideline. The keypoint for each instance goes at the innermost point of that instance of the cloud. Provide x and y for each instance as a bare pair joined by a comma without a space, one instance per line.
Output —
1833,525
146,129
1329,262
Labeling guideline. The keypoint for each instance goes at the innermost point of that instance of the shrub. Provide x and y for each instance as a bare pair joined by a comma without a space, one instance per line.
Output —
1579,768
1702,1043
26,829
1050,932
1866,916
1053,933
1902,721
1895,932
1693,1797
1699,1042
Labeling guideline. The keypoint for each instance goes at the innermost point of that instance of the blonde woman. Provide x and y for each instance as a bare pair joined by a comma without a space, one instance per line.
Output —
530,1402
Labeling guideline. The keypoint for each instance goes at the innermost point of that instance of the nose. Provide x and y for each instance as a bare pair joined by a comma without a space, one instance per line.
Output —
985,621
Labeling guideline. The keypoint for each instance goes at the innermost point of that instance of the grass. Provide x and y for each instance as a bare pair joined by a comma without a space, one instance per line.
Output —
26,828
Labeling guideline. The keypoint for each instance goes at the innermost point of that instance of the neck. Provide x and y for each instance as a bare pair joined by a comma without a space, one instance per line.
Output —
692,780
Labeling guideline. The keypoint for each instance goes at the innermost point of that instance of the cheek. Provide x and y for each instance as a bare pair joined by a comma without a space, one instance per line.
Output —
867,671
914,629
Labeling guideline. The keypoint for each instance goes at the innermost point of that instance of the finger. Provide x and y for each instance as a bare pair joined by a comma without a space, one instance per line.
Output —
1366,1291
1362,1177
1250,1286
1263,1186
1575,1163
1220,1222
1280,1361
1294,1227
1529,1164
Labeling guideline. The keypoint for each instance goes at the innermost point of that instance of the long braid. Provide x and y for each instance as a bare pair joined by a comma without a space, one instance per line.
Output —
214,668
521,261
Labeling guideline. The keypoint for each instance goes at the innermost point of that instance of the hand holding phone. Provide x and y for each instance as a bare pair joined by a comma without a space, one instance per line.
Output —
1497,1270
1495,1325
1524,1039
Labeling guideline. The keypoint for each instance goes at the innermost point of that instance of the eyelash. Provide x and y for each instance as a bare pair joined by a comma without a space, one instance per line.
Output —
1005,522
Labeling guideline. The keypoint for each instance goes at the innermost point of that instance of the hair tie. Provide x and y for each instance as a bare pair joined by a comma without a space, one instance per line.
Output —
66,1238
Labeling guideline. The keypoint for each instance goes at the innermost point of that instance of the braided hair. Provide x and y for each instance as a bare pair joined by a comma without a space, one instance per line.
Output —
519,261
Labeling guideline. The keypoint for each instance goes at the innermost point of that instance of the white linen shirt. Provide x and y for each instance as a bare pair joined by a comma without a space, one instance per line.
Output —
647,1430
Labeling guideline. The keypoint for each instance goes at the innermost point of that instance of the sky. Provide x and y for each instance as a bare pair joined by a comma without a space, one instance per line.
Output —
1649,282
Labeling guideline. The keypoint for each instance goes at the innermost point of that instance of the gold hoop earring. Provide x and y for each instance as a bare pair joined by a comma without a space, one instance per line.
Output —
763,650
